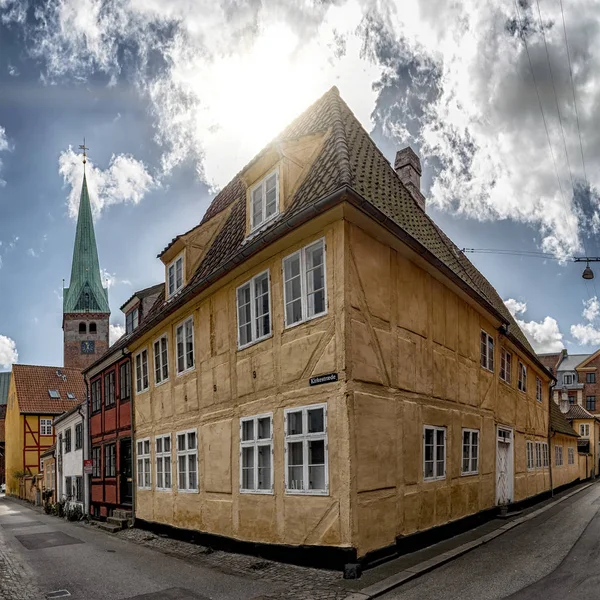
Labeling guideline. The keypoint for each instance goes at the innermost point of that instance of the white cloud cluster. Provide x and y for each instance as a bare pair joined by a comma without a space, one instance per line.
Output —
588,333
111,279
223,78
545,335
114,333
8,352
125,180
4,147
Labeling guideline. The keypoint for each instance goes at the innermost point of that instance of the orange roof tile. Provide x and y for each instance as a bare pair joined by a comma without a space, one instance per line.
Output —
33,383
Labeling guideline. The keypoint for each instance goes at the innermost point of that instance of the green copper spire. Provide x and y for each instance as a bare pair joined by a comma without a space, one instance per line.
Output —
85,293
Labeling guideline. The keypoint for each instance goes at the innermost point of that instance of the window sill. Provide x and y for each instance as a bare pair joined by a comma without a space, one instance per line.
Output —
161,489
506,383
188,491
307,492
141,391
186,371
254,342
162,382
109,406
145,489
317,316
257,229
432,479
258,492
469,473
486,369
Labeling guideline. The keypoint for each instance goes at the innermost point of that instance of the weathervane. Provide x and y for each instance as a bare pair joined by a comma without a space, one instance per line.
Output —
84,148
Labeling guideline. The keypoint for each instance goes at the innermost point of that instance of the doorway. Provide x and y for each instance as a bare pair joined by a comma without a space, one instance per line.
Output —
126,472
504,466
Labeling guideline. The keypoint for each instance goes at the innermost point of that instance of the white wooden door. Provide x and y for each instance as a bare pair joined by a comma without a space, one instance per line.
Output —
504,466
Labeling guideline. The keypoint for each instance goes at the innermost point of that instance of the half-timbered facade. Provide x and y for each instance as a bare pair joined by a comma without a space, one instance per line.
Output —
36,396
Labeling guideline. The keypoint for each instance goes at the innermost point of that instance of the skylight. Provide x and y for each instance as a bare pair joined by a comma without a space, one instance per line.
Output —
53,393
70,395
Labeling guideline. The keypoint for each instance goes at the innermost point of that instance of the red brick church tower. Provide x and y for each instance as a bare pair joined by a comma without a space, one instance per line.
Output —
86,312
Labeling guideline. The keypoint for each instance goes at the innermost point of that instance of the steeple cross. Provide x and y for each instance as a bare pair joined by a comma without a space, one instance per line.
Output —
84,148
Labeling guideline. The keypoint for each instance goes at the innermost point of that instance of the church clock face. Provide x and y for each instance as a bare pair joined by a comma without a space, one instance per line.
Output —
88,347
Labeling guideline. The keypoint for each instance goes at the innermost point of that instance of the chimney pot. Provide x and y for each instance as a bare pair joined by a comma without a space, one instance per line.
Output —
408,167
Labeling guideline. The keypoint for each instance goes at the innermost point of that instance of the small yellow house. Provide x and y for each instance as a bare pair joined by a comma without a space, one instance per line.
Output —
587,426
325,369
36,395
568,465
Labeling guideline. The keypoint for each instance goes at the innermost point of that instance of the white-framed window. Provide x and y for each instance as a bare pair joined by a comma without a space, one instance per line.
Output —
487,351
558,456
132,320
161,359
538,455
505,365
185,345
187,461
470,451
254,309
45,426
141,371
568,379
530,456
522,384
256,454
538,389
162,455
571,455
175,275
144,472
304,284
584,430
264,200
306,463
545,456
434,453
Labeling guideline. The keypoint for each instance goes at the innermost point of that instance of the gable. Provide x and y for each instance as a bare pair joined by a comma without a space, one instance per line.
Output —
591,363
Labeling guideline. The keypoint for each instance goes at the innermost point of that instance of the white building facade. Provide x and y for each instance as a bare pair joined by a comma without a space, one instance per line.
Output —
71,452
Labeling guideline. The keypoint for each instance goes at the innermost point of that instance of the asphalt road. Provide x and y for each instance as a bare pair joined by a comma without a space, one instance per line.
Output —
40,554
555,556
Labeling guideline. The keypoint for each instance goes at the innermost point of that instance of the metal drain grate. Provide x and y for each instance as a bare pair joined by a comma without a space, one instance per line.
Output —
58,594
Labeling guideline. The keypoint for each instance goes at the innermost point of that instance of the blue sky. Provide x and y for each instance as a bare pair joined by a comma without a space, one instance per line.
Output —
172,104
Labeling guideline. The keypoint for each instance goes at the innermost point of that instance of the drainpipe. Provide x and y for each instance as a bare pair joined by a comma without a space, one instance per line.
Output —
127,353
89,442
83,474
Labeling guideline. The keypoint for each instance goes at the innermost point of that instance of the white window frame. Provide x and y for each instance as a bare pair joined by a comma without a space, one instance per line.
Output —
186,366
173,265
538,455
45,426
506,366
303,288
522,377
163,359
486,347
530,455
143,457
436,476
558,456
305,437
255,338
584,430
538,389
472,456
187,452
570,456
545,455
568,379
132,319
263,185
256,443
139,383
160,456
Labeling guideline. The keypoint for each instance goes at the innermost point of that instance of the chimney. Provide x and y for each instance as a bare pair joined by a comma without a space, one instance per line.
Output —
408,167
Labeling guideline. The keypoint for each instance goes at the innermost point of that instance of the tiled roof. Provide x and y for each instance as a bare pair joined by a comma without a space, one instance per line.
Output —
348,161
2,418
571,361
141,294
558,422
4,385
33,383
49,451
578,412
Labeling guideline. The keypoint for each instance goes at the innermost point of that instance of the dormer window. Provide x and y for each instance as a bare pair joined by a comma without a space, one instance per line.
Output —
264,200
175,275
568,379
132,320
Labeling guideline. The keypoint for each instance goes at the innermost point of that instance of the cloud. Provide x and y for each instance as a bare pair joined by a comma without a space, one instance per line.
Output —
125,180
111,279
453,78
588,333
591,309
545,335
8,352
4,147
114,333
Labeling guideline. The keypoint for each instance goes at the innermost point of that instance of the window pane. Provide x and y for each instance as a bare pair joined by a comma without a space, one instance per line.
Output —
315,280
159,444
264,467
167,471
181,441
247,431
261,287
257,216
181,461
189,344
193,479
294,423
293,289
248,468
271,195
180,366
316,420
191,440
147,447
264,428
146,471
295,468
244,315
179,273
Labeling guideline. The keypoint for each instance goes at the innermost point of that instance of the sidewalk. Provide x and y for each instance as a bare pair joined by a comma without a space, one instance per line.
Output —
389,575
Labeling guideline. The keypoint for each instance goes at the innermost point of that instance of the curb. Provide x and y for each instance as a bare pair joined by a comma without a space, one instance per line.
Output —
385,585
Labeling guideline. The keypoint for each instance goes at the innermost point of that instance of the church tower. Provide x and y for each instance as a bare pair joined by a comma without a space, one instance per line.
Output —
86,311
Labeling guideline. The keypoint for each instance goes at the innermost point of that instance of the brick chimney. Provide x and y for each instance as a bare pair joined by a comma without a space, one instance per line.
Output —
408,167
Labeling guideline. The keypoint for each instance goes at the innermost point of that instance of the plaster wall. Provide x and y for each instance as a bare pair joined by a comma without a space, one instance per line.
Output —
566,473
